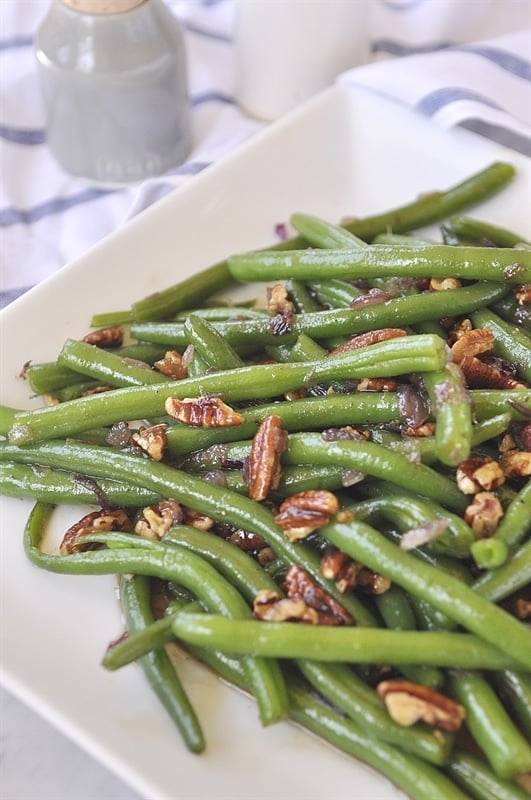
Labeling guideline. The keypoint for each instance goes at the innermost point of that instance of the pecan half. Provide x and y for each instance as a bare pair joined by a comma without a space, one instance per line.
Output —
269,606
443,284
299,585
483,514
339,567
152,440
523,294
305,512
409,702
156,520
269,442
95,522
370,337
377,385
475,342
277,299
202,412
480,375
105,337
477,473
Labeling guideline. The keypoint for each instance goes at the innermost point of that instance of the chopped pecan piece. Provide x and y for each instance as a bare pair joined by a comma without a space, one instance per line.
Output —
479,472
197,520
525,435
305,512
523,294
152,440
409,702
483,514
173,365
95,522
339,567
299,585
105,337
269,442
516,464
277,299
269,606
202,412
475,342
370,337
426,429
377,385
480,375
443,284
156,520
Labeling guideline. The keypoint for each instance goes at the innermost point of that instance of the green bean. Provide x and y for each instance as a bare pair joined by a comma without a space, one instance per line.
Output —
444,592
320,233
489,553
392,357
306,413
135,594
341,687
407,772
478,231
210,345
192,492
510,342
488,402
301,298
58,486
398,238
515,690
397,613
474,776
451,406
335,293
376,261
399,311
136,644
509,309
508,753
106,366
345,644
7,417
430,208
375,460
500,582
176,564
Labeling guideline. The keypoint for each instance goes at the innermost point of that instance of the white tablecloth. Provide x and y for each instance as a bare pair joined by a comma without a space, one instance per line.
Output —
460,63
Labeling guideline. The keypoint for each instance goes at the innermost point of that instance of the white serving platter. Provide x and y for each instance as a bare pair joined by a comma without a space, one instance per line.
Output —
346,152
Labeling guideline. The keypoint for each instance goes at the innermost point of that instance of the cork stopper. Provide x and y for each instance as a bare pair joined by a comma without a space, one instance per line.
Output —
102,6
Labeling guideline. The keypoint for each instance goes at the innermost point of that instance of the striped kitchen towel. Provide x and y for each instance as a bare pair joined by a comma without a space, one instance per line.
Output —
48,218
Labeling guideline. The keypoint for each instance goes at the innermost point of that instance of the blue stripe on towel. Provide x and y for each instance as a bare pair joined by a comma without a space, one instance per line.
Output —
16,216
22,136
434,101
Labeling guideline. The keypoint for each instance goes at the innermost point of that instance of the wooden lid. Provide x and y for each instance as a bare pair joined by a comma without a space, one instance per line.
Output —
102,6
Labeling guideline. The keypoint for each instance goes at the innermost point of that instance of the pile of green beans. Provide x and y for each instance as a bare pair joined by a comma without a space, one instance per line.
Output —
388,423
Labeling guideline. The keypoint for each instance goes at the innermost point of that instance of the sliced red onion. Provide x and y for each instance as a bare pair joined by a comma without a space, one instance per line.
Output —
349,477
412,405
281,231
525,411
372,297
424,534
119,435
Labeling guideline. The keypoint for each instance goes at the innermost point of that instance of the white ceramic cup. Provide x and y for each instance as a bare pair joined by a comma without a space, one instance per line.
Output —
287,50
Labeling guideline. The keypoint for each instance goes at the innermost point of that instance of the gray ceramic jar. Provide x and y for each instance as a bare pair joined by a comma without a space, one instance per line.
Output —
114,82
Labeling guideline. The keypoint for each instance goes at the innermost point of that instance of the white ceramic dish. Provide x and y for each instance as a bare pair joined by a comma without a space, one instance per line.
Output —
344,152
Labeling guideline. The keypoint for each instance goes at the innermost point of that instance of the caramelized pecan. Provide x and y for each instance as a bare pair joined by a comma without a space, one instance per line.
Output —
480,375
409,702
105,337
483,514
95,522
173,365
516,464
269,442
370,337
305,512
152,440
299,585
202,412
475,342
477,473
156,520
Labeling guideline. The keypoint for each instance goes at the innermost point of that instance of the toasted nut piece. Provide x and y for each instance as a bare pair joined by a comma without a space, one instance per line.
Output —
477,473
156,520
198,520
299,585
277,299
152,440
516,464
409,702
172,365
95,522
370,337
443,284
480,375
105,337
269,442
484,514
507,443
304,512
271,607
202,412
426,429
377,385
339,567
525,435
460,328
523,294
478,341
